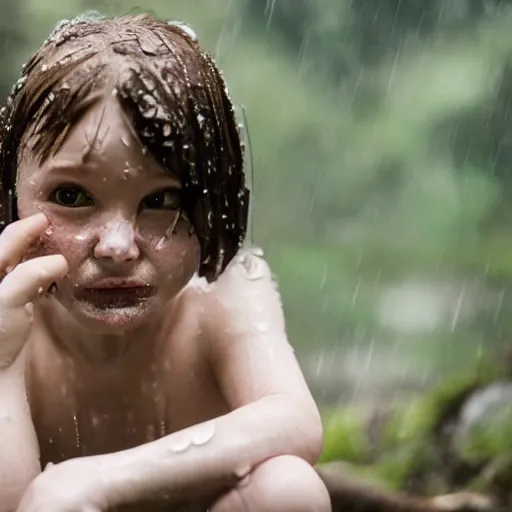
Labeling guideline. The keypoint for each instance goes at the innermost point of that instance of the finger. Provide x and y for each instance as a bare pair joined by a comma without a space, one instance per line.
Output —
30,279
17,237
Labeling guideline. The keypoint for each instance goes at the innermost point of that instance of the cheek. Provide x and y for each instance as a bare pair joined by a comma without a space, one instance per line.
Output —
178,255
55,241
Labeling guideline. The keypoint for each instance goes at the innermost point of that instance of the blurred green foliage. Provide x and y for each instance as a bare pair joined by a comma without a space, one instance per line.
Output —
381,149
417,445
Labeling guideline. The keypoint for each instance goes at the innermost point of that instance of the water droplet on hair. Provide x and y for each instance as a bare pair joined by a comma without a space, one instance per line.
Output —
184,27
150,113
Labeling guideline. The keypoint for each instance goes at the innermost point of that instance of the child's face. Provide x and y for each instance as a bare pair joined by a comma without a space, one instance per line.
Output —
114,215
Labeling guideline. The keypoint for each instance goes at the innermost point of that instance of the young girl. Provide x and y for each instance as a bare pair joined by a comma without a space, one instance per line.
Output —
144,363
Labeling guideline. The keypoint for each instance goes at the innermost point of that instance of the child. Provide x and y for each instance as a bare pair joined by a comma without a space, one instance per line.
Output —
150,345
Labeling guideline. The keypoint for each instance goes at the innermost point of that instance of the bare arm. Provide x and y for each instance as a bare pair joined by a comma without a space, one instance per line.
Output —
272,410
19,450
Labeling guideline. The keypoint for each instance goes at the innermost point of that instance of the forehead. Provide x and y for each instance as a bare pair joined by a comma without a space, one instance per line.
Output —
103,141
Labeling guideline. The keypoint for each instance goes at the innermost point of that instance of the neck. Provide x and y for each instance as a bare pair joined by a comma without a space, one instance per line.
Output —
86,346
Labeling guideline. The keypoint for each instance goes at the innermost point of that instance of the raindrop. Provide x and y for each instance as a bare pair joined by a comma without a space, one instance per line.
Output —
204,433
242,471
253,265
179,442
184,27
77,432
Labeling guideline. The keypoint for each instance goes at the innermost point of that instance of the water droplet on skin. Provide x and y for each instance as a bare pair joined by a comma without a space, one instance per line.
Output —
29,308
49,231
254,267
179,442
125,141
202,434
80,238
40,291
242,471
245,481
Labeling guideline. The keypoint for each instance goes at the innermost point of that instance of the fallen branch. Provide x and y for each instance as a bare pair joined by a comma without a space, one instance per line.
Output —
351,495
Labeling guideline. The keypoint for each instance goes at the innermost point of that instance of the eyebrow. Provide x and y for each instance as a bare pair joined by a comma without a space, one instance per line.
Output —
73,167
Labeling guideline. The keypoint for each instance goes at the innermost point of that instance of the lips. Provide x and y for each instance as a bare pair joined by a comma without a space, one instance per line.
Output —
115,293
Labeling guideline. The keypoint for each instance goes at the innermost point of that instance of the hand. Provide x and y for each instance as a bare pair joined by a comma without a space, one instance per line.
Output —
22,282
71,486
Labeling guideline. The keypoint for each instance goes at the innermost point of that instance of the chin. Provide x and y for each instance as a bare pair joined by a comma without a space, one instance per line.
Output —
113,319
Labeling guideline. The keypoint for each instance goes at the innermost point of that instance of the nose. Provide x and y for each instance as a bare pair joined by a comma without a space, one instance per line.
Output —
116,242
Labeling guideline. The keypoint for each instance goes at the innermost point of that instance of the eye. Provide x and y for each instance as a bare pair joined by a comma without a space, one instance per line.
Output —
163,200
71,197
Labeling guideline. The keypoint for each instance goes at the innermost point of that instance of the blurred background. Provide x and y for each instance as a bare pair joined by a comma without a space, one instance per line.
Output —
380,147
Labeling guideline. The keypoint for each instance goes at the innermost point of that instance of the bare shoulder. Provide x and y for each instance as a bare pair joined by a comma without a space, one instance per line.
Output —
244,298
243,323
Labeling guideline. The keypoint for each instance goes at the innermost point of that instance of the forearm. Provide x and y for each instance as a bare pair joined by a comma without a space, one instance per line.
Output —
19,450
208,458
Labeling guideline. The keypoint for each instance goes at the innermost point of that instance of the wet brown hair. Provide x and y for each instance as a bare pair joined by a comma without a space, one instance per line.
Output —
175,97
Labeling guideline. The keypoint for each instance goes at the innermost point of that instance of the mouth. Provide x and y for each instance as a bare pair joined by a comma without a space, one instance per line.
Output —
115,293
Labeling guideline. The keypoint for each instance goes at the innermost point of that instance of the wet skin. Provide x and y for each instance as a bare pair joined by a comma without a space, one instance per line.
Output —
157,352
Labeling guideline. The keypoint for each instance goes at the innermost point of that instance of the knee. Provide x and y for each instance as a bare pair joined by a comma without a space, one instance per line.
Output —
281,484
293,485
